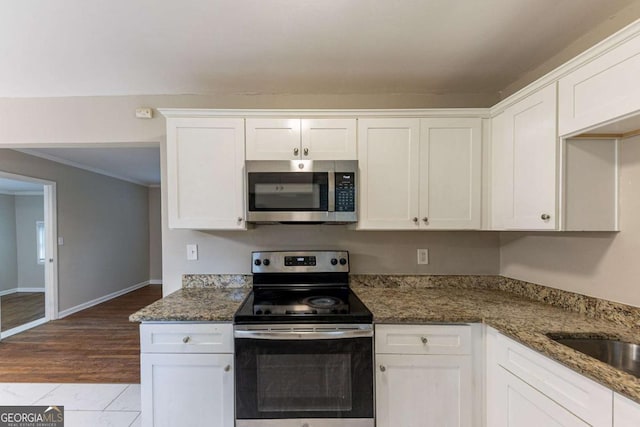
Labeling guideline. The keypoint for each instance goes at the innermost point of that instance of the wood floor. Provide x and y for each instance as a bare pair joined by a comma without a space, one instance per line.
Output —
20,308
96,345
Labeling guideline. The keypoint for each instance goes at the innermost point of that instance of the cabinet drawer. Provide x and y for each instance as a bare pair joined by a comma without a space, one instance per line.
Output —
583,397
186,338
423,339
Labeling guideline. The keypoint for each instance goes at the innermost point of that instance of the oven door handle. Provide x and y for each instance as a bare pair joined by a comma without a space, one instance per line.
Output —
302,335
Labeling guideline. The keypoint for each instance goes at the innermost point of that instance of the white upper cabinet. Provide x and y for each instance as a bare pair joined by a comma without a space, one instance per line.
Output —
307,139
602,90
205,173
420,173
450,173
524,166
388,160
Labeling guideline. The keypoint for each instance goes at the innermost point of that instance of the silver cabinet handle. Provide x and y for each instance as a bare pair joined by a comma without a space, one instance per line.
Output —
425,219
306,151
382,368
296,151
239,219
424,340
545,217
415,219
227,368
186,339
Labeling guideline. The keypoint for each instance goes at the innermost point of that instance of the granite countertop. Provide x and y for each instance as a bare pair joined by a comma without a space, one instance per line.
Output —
521,318
194,305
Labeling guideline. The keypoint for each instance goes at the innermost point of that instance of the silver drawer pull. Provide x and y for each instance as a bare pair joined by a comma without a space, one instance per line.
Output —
545,217
227,368
186,339
424,340
382,368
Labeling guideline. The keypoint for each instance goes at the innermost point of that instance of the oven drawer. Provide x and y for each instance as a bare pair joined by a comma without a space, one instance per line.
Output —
423,339
186,338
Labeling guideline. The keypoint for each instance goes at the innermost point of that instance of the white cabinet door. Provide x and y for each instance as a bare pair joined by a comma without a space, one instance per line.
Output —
205,178
307,139
329,139
601,90
423,391
273,139
626,413
450,173
524,152
187,390
388,161
517,404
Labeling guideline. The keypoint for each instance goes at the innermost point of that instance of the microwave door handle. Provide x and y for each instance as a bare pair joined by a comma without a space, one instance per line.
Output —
332,191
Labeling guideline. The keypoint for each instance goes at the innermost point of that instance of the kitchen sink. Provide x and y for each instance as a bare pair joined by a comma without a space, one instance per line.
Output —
621,355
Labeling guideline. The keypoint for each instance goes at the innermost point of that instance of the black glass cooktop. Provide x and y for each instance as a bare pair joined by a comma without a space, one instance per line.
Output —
302,305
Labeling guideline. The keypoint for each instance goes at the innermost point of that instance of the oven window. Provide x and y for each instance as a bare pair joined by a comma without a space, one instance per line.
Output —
288,191
286,379
304,382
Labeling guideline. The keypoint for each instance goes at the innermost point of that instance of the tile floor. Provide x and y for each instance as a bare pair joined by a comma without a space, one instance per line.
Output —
85,405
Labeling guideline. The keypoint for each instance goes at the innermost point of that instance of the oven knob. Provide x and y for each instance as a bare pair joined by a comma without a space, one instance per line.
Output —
343,311
267,312
266,262
343,261
334,261
258,311
257,262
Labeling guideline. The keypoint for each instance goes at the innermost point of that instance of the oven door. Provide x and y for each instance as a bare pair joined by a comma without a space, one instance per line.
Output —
321,376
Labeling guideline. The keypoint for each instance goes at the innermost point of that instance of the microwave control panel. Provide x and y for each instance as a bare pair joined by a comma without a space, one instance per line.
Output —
345,192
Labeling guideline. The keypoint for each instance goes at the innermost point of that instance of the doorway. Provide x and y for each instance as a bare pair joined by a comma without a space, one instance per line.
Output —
28,253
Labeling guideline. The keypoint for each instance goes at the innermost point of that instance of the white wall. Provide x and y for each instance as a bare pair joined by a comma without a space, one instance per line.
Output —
111,119
104,223
8,251
155,235
29,210
603,265
379,252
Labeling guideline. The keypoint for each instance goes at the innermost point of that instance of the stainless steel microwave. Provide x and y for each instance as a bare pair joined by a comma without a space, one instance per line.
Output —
301,191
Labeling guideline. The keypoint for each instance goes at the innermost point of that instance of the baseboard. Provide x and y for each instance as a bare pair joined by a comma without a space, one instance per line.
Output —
23,328
155,282
83,306
39,289
15,290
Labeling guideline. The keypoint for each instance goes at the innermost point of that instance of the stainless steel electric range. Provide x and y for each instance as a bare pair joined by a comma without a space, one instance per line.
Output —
303,344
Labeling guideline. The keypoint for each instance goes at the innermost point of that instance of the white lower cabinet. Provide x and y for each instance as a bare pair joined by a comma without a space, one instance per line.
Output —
186,387
525,388
626,413
425,385
520,405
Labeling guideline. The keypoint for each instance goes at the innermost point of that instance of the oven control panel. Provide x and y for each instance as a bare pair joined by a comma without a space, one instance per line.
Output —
300,262
296,261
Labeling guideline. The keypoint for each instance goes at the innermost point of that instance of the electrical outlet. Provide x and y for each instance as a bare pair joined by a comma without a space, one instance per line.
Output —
192,252
144,113
423,256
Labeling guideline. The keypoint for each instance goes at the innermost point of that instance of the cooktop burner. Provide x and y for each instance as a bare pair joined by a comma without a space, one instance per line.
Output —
285,301
301,287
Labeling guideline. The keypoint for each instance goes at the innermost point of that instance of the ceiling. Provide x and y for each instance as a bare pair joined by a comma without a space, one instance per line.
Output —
10,186
123,47
140,165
